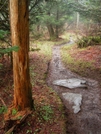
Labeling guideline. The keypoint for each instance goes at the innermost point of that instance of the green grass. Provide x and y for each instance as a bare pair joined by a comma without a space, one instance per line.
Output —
46,112
79,66
3,109
14,111
45,47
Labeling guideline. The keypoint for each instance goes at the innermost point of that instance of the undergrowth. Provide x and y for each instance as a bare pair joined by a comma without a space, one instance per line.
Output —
89,41
76,65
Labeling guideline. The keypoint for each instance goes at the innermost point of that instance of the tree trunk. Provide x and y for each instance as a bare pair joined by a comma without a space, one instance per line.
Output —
57,32
50,28
51,31
57,19
20,37
77,21
38,28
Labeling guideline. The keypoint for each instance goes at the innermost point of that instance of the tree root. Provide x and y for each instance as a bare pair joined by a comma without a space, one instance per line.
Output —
14,122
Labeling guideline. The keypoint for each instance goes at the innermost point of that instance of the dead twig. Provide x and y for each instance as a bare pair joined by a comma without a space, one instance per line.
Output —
16,123
3,101
10,130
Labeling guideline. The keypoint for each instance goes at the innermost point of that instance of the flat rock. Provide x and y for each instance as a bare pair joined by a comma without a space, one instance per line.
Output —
70,83
74,99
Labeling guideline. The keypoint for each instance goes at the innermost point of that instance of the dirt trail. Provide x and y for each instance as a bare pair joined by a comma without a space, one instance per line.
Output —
88,120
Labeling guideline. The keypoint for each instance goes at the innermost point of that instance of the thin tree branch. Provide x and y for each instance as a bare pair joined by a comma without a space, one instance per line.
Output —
3,4
36,3
3,101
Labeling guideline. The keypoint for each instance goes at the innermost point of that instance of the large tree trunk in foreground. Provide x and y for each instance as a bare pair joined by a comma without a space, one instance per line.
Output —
20,37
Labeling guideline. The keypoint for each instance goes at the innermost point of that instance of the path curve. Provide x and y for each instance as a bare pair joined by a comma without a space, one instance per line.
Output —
88,120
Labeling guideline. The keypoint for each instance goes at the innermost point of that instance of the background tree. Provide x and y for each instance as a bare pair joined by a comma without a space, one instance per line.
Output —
4,21
51,14
88,9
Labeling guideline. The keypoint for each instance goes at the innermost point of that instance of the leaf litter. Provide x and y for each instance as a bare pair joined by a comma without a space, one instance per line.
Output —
48,114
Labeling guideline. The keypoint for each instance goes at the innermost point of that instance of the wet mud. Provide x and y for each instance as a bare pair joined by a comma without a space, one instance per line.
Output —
88,120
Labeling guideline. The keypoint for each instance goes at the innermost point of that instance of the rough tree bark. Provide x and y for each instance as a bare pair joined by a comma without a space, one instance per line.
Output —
20,37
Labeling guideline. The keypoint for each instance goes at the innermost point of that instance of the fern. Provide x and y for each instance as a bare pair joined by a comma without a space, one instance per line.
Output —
8,50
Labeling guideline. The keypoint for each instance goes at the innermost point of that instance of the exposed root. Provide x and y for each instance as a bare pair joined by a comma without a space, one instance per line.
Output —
12,122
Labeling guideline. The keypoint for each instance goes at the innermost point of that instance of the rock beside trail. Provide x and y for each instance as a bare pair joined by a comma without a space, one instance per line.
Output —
70,83
74,99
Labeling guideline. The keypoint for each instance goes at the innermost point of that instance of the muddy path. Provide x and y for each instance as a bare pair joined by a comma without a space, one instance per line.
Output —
88,119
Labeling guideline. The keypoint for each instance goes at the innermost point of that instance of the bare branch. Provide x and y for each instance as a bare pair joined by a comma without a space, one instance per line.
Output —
3,4
2,101
36,3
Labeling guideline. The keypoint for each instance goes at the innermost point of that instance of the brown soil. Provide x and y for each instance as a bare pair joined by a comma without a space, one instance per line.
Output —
41,121
88,120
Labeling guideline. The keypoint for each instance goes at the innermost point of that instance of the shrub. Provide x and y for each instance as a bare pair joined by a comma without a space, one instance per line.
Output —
89,41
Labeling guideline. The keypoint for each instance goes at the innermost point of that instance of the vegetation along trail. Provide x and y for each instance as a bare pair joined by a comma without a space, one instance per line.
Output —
88,119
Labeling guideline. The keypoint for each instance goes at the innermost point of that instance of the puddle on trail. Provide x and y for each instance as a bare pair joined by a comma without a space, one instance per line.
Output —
88,120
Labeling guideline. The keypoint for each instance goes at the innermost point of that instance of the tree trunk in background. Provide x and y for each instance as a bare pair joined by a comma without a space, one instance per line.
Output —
20,37
57,32
50,28
77,21
38,28
51,31
57,27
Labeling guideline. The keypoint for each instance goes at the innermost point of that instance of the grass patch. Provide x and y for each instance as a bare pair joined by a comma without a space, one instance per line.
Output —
46,112
45,47
76,65
67,36
3,109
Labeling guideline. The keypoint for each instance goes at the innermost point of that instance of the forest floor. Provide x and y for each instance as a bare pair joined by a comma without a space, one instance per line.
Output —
50,116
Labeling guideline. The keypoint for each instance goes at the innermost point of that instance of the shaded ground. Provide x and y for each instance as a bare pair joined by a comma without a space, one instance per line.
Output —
48,116
88,120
